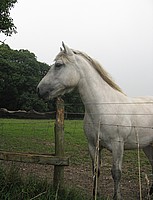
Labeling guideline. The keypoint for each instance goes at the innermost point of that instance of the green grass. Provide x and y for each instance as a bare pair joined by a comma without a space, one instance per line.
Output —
37,136
12,187
75,142
26,135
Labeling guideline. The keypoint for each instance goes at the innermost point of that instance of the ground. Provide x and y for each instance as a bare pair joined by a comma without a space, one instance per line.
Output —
37,136
80,176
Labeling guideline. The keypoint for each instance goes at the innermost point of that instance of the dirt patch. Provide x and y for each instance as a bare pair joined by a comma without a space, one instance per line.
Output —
80,176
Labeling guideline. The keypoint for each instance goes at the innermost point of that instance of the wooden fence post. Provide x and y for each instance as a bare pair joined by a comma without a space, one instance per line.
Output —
59,144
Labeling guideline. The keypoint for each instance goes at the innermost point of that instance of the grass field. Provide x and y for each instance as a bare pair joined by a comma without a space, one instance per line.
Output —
38,136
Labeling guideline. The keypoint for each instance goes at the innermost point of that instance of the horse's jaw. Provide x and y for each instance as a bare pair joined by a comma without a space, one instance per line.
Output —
52,92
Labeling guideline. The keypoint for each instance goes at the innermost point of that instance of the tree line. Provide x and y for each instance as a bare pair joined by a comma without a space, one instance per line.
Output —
20,73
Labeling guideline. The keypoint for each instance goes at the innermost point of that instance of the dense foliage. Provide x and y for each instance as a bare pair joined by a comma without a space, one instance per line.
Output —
20,73
6,22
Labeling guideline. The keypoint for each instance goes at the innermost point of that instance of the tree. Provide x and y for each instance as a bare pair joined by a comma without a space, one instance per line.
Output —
6,22
20,72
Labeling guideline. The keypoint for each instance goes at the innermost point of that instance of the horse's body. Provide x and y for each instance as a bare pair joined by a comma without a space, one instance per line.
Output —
120,122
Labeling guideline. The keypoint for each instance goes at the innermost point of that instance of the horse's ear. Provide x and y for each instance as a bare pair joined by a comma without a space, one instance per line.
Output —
67,50
61,49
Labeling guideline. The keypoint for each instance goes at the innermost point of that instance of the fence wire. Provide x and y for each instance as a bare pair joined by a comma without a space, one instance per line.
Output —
137,173
143,176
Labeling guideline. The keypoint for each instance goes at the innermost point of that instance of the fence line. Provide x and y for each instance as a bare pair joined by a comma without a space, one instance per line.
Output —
115,114
125,126
58,160
113,103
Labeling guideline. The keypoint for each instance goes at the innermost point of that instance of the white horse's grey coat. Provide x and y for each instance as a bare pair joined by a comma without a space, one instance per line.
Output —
122,122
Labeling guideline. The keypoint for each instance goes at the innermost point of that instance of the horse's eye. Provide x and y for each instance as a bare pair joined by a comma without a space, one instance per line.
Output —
58,64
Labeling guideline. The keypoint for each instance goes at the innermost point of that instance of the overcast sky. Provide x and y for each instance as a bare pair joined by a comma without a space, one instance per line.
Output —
117,33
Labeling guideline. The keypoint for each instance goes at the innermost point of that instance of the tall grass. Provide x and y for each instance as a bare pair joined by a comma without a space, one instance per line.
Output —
13,187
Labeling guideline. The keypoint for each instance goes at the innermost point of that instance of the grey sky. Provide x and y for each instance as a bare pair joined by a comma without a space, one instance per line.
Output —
118,33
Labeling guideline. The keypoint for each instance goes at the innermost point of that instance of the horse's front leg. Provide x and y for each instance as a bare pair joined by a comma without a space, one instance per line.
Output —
117,152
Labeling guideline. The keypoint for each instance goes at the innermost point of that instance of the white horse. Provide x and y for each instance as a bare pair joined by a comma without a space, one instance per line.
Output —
120,122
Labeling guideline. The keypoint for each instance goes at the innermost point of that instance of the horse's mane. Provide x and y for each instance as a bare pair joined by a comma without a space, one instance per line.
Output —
103,73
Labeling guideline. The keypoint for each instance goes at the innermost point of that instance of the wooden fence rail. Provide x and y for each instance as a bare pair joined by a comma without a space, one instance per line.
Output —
58,160
45,159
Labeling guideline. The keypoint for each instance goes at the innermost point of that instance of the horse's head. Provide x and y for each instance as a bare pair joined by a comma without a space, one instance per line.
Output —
62,77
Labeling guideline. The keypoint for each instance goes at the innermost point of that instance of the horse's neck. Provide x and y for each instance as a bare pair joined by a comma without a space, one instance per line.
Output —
93,89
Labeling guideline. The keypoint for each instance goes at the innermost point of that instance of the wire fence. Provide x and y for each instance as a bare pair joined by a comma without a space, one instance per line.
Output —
137,124
38,136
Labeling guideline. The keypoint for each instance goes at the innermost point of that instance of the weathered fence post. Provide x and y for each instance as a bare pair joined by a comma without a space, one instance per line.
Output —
59,143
